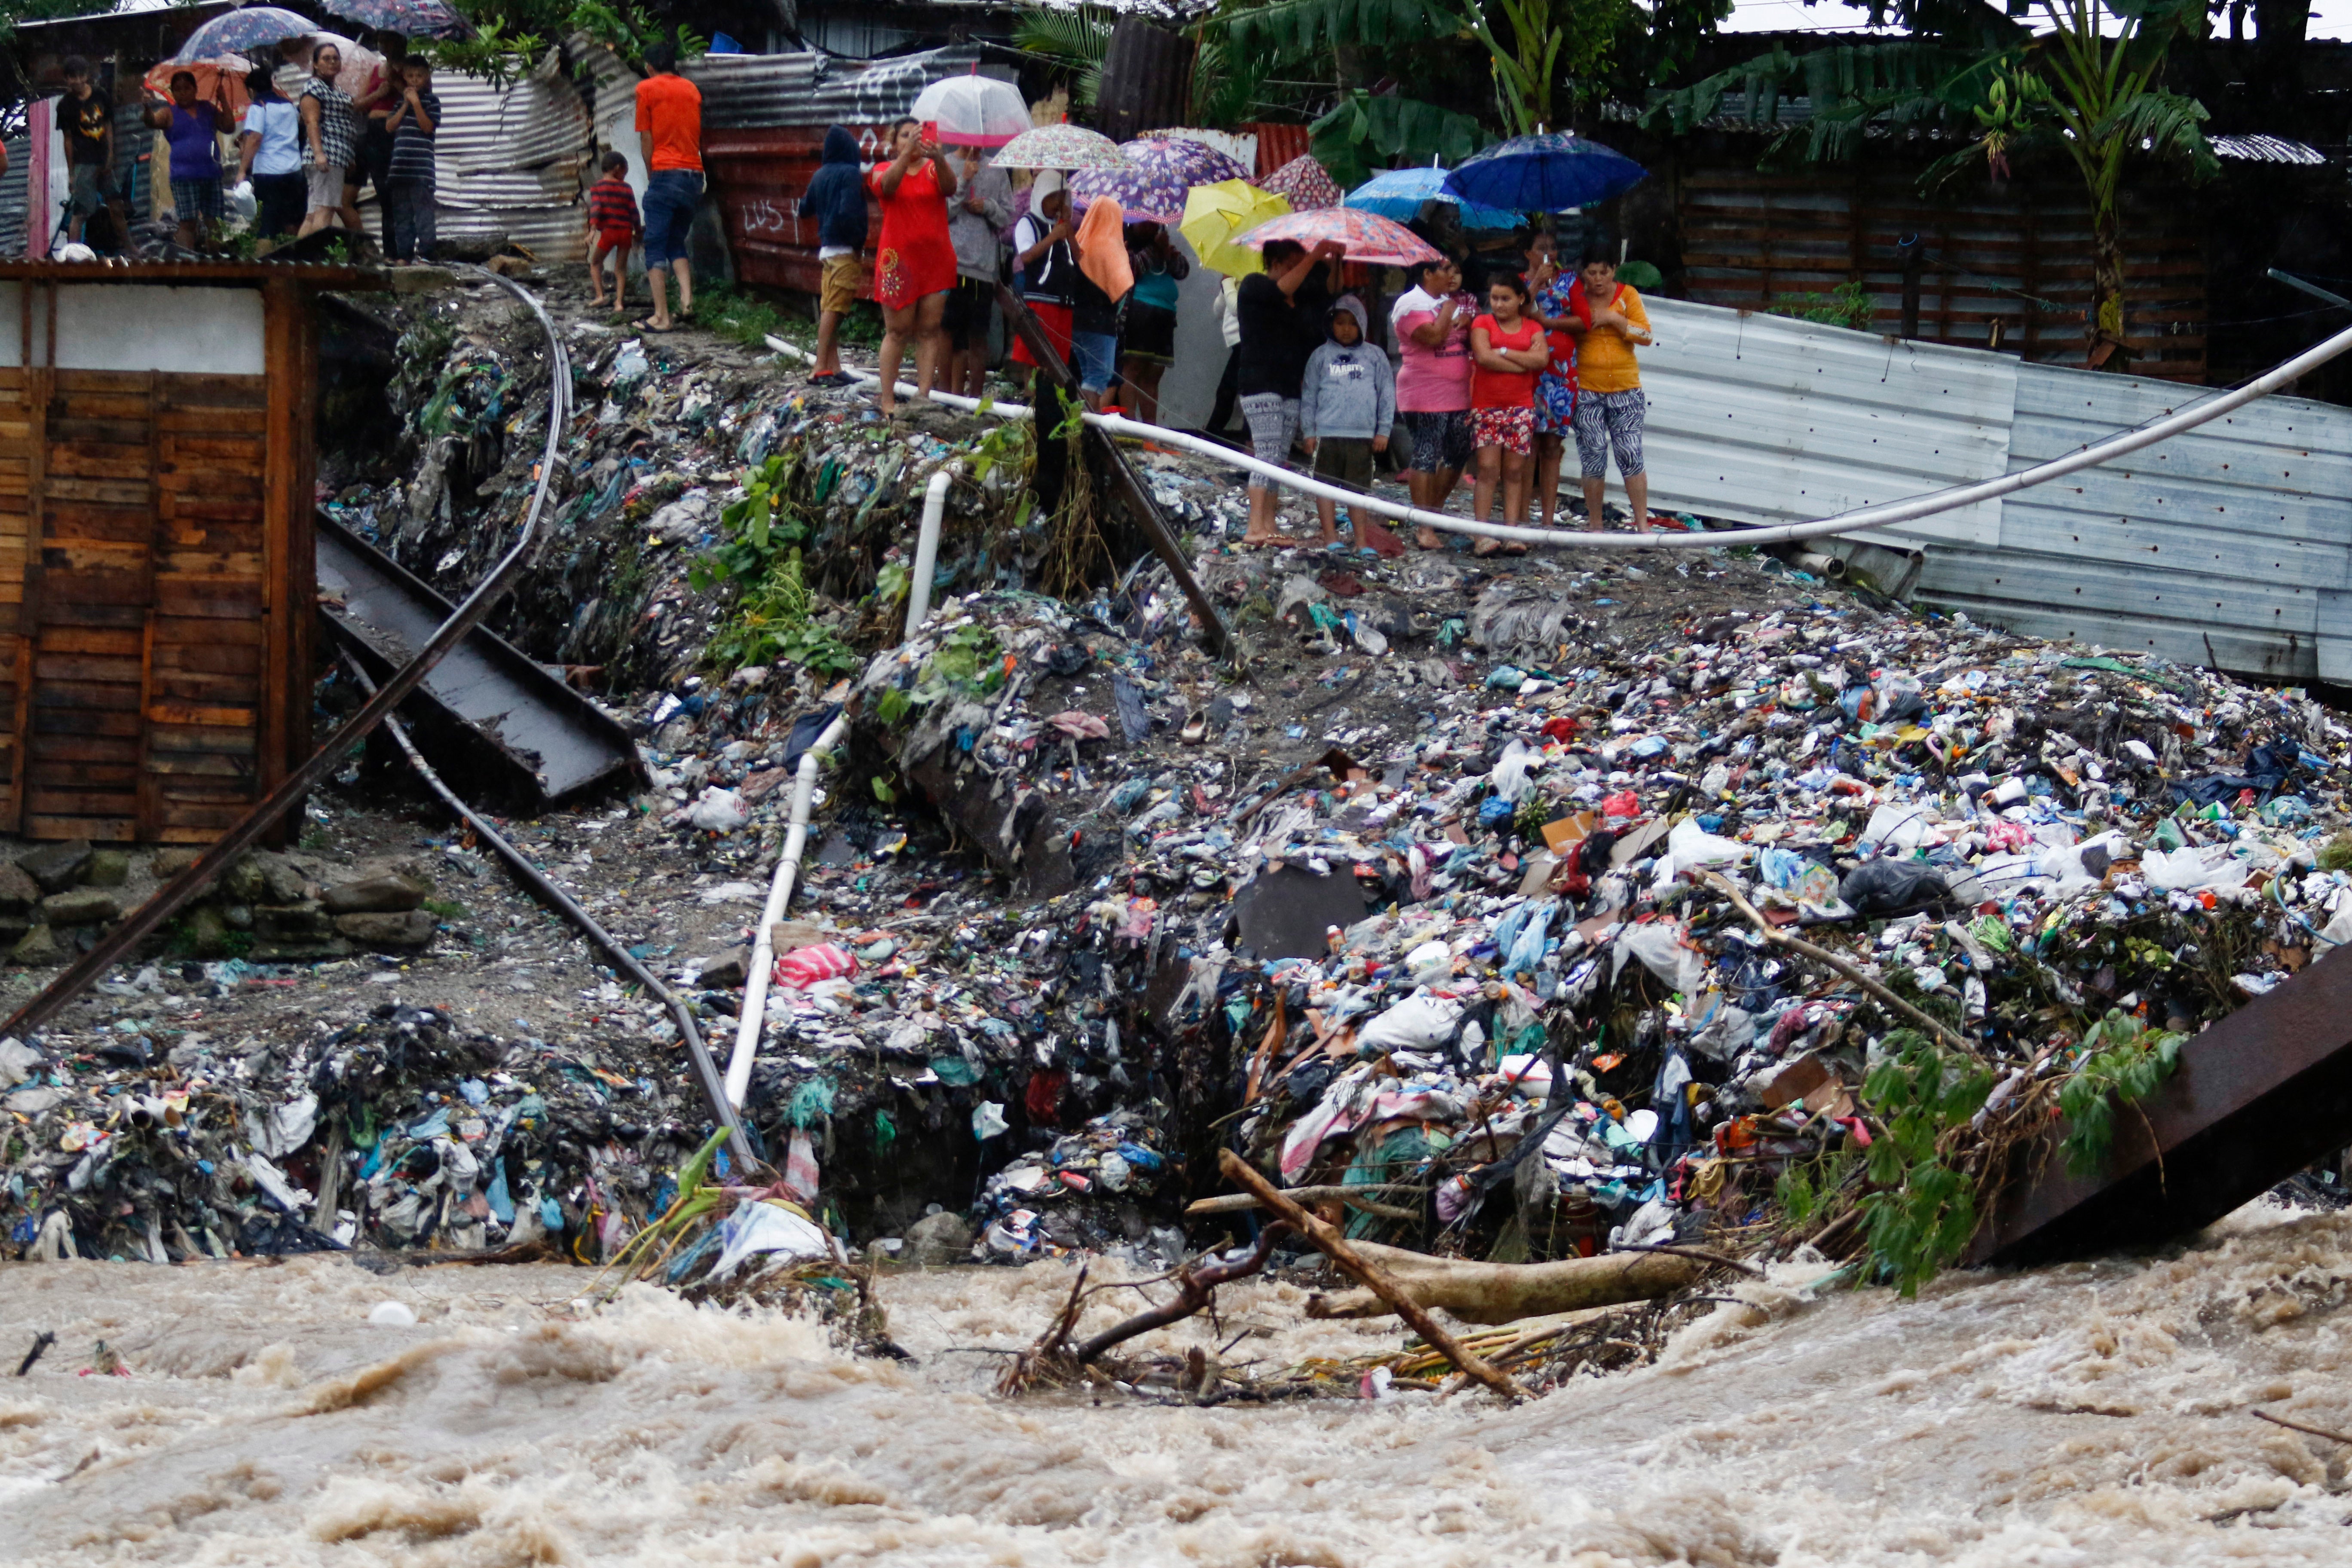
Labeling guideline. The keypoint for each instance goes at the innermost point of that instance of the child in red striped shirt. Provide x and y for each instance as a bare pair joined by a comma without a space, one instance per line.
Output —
614,227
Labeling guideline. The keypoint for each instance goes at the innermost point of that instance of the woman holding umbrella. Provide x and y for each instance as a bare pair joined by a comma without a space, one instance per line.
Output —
1277,308
915,263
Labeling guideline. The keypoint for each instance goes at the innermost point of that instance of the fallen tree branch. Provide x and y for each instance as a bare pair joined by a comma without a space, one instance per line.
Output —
1829,959
1194,1287
1345,1254
1701,1254
1354,1197
2299,1427
1507,1292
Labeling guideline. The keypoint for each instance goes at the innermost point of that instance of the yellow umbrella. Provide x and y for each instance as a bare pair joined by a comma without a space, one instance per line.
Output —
1214,215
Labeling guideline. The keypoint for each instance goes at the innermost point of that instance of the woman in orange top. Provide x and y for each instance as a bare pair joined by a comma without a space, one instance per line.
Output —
1610,323
914,263
1507,347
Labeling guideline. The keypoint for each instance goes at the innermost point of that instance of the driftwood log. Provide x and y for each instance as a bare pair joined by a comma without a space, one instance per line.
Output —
1505,1292
1351,1258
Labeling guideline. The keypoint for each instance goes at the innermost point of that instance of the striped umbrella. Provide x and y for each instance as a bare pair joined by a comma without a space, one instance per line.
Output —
1362,236
1303,182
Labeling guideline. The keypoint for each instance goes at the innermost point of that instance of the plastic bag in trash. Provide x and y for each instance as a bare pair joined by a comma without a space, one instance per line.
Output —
1415,1024
1690,846
799,970
770,1229
1887,886
2193,870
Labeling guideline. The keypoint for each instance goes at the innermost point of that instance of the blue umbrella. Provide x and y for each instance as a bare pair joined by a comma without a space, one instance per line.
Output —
1544,174
1399,192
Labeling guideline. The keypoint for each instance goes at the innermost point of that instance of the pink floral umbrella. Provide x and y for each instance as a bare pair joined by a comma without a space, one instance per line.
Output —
1362,236
1305,184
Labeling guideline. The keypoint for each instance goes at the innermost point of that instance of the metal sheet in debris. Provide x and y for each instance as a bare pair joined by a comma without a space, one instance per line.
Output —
551,734
486,129
1288,913
2257,1096
2222,546
1763,419
759,177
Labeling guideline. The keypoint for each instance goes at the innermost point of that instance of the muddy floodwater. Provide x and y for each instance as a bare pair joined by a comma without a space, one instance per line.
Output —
2090,1415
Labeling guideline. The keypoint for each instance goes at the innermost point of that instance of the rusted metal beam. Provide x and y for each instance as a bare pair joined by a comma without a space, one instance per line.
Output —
2257,1097
714,1086
1131,489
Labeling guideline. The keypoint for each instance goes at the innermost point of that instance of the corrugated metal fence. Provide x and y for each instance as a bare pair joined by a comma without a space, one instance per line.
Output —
763,122
2226,546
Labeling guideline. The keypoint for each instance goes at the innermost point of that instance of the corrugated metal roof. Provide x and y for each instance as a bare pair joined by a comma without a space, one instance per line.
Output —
1764,420
2260,149
757,91
12,195
2226,545
1797,109
485,129
1278,144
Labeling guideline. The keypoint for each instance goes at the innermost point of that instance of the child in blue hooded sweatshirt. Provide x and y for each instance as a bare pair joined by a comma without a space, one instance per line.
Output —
836,200
1346,404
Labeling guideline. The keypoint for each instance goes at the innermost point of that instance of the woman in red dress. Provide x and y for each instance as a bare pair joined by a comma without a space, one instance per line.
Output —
914,264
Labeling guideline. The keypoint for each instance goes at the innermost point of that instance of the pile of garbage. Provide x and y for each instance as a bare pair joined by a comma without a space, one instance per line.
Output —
1575,907
1525,929
403,1130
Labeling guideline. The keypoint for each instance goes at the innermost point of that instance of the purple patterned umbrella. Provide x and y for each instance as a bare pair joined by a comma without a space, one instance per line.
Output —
409,18
1160,170
244,32
1305,184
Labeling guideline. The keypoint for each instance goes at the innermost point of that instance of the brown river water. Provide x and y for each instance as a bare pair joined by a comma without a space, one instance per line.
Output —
2091,1415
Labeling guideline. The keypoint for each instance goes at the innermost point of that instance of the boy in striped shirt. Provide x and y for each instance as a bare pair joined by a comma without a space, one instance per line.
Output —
614,227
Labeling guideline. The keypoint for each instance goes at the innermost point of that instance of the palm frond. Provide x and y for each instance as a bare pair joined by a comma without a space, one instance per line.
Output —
2166,124
1077,37
1293,29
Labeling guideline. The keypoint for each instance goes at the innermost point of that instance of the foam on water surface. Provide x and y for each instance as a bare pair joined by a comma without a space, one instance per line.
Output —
2091,1415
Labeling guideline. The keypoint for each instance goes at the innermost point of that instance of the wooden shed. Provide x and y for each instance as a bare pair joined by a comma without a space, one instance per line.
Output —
156,574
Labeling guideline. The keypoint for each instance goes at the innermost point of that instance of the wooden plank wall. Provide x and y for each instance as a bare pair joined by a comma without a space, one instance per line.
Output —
154,598
2017,257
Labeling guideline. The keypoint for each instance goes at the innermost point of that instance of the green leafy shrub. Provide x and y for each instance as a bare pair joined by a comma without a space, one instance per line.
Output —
775,616
1848,305
1925,1211
2122,1060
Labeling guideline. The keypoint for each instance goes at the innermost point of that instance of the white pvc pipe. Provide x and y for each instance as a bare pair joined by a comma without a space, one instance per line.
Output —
927,550
749,1023
1882,515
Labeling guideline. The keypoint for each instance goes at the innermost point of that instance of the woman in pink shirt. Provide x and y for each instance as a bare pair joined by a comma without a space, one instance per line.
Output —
1431,327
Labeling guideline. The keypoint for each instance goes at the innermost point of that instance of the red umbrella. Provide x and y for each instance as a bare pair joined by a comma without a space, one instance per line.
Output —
1303,182
220,81
1362,236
